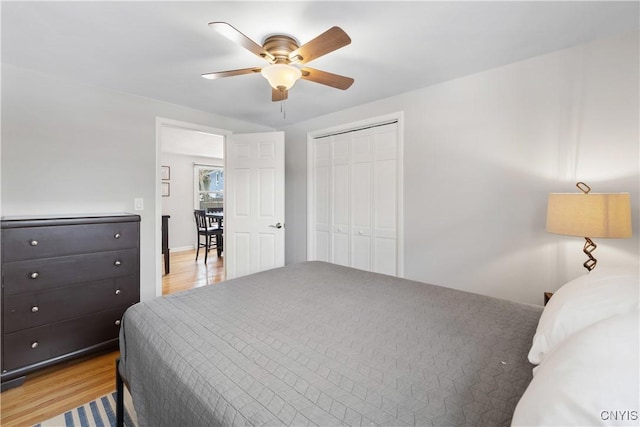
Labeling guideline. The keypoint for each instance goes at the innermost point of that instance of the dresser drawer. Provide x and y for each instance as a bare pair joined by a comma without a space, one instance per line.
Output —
47,273
45,342
28,310
43,242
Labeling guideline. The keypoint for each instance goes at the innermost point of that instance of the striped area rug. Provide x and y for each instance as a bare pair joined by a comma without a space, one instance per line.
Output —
97,413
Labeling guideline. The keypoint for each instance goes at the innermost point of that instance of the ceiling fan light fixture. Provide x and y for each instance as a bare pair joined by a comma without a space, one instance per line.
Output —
281,76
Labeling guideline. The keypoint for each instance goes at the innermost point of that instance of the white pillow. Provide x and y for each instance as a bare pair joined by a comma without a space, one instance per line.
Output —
581,302
592,379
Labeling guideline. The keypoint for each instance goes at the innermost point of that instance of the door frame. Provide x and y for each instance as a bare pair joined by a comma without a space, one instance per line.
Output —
157,210
352,126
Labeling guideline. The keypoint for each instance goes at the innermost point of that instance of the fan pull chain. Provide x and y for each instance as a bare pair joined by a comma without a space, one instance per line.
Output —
282,91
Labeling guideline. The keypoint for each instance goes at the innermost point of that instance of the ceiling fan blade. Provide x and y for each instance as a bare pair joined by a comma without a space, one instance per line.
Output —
236,36
325,78
231,73
332,39
277,95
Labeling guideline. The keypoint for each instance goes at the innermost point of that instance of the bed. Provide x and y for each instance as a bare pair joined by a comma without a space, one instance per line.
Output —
320,344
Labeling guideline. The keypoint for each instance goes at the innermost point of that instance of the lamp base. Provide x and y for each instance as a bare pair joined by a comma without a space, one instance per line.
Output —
589,247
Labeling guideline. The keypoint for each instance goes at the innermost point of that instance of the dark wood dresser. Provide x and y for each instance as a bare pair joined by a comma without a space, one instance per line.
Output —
66,281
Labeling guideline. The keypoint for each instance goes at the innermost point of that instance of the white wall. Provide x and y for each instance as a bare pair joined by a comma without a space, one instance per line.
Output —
482,152
179,205
73,148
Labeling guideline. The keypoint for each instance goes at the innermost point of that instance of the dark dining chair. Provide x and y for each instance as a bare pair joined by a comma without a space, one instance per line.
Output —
209,232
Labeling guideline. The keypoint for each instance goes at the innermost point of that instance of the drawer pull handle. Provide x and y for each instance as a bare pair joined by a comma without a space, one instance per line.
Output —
34,275
118,291
116,236
117,322
34,344
117,263
34,309
33,243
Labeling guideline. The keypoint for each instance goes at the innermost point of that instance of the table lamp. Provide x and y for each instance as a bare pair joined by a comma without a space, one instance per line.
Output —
589,215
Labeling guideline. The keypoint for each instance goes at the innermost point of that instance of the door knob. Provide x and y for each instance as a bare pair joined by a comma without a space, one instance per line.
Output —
278,225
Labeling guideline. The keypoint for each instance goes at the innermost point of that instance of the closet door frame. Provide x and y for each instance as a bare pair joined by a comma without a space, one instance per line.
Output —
373,121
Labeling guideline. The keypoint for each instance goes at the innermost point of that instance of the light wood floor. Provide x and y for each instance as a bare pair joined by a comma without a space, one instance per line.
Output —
66,386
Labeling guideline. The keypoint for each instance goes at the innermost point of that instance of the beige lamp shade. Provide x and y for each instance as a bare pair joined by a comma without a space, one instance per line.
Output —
605,215
281,76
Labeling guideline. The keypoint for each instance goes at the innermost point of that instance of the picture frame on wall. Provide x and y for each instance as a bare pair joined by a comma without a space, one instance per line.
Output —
166,173
165,189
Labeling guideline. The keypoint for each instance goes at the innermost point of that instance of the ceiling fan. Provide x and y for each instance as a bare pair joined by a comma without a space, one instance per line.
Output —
281,52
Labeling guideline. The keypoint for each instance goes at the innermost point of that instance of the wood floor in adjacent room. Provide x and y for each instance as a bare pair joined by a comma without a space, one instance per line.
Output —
60,388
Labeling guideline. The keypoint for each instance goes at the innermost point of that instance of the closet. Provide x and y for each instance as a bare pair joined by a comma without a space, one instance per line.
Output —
356,192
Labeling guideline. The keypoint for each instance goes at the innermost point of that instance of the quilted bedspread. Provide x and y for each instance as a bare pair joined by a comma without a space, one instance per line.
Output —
319,344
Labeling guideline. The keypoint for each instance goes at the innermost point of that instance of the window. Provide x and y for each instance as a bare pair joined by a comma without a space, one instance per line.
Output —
209,187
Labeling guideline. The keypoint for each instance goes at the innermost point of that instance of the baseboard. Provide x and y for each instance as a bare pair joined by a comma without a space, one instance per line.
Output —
183,249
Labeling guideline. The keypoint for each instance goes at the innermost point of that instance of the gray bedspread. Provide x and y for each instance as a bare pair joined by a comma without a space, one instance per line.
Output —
318,344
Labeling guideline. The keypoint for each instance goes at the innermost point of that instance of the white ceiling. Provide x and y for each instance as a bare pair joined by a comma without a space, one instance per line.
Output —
160,49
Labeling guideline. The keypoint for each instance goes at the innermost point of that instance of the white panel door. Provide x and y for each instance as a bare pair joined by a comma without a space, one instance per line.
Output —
355,210
385,200
340,232
254,203
340,228
322,197
361,199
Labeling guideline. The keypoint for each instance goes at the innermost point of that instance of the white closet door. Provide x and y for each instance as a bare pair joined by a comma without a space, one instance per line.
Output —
340,232
361,200
322,197
385,200
355,201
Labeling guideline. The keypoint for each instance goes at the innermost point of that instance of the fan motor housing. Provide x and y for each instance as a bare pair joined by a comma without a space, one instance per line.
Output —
280,46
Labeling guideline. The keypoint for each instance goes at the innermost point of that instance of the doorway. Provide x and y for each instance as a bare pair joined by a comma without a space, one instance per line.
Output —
183,152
